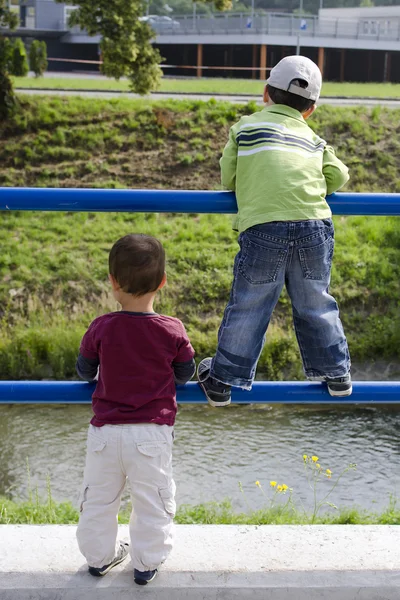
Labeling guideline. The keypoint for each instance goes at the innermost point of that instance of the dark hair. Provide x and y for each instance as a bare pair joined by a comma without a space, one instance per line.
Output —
293,100
137,262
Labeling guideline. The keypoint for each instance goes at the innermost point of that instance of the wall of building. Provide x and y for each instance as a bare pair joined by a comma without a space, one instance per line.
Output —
56,49
49,15
339,64
385,12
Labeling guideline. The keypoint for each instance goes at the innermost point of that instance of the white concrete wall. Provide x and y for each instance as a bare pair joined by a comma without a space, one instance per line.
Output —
216,562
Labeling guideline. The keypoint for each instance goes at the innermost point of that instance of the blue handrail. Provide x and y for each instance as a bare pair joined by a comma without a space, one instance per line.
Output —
93,200
270,392
172,201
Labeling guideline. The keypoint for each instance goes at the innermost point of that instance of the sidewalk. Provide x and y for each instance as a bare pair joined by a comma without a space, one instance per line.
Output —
216,562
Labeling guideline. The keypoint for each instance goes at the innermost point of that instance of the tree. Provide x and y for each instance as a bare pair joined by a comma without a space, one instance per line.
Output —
18,58
7,97
38,57
125,44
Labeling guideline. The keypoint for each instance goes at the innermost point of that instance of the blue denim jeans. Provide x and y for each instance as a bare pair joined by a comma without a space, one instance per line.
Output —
297,254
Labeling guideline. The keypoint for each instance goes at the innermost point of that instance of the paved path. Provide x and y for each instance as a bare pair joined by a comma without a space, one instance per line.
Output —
228,98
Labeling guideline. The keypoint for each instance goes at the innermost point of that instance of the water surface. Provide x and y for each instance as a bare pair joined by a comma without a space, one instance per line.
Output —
215,449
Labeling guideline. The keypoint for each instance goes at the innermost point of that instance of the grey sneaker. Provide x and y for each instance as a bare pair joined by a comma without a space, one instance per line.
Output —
340,386
217,393
118,558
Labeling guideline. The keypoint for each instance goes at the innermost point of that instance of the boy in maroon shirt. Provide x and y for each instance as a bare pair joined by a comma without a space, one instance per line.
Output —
137,357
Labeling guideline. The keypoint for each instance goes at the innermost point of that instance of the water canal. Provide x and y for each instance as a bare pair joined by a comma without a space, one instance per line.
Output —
215,449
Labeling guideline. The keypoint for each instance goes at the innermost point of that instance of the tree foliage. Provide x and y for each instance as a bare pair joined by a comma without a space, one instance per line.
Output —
7,98
18,58
38,57
125,43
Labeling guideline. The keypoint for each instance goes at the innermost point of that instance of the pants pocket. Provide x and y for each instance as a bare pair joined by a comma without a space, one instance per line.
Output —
151,448
83,497
316,261
260,264
95,443
167,496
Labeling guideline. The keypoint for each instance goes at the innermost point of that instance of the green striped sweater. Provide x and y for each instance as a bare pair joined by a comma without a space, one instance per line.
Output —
279,168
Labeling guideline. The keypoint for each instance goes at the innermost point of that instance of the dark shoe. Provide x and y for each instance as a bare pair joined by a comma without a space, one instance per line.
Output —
118,558
217,393
340,386
144,577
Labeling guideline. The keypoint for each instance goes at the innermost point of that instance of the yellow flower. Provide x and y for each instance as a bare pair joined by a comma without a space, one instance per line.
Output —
318,465
305,456
258,484
284,487
279,488
272,483
328,472
314,458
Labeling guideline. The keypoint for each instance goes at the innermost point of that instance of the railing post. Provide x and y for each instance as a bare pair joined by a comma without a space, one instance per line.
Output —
321,60
199,70
263,61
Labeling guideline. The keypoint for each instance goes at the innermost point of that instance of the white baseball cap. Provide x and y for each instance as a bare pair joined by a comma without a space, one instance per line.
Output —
291,68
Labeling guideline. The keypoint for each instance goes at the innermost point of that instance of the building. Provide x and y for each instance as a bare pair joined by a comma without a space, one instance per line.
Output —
354,44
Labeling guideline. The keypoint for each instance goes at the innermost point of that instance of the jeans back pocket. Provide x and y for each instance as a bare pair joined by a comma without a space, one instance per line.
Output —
260,264
316,261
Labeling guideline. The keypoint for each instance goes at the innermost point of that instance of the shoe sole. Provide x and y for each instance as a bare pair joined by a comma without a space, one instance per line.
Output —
145,581
341,393
212,402
111,566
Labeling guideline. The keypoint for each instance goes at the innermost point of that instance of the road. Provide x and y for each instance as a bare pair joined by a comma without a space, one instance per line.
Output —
370,102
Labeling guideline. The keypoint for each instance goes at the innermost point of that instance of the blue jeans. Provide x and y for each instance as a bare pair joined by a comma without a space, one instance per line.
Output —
297,254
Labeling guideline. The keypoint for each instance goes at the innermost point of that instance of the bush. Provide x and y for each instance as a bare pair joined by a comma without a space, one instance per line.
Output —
18,59
38,58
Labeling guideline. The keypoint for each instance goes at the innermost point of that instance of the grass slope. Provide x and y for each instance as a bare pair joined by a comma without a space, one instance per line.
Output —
214,85
53,266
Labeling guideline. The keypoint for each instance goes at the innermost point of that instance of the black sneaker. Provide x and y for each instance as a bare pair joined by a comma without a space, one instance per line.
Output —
144,577
118,558
340,386
217,393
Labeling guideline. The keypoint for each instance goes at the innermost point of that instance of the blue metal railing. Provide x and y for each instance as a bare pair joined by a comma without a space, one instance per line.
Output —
87,200
72,392
271,392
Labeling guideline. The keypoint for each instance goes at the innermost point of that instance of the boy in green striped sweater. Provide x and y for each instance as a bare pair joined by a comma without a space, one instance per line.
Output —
281,172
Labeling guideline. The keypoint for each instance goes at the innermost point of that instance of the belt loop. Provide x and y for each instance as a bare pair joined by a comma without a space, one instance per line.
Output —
291,230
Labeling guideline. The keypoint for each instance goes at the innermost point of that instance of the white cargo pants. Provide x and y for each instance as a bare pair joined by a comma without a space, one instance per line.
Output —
143,454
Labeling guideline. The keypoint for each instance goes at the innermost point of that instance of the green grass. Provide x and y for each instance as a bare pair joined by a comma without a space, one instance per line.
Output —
207,86
39,511
53,266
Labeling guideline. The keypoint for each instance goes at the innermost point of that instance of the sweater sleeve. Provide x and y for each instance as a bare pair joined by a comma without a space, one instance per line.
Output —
88,359
228,162
87,368
335,172
184,371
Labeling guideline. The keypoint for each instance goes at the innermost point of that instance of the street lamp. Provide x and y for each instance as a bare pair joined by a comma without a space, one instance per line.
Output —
299,29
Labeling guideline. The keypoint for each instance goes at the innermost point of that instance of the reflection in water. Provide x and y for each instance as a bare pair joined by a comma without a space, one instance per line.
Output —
215,449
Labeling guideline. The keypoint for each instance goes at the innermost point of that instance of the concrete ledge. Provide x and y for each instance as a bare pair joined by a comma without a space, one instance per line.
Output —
212,562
